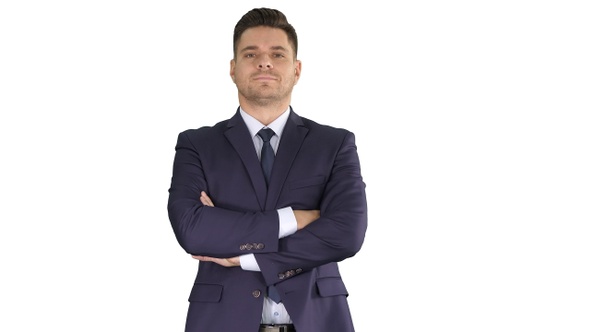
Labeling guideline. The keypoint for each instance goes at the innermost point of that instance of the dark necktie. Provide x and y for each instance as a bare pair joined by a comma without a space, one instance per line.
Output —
267,157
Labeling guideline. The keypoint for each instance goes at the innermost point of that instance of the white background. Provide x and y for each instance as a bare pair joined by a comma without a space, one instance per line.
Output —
472,127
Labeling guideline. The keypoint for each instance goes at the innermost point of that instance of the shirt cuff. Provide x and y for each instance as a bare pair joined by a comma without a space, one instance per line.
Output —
248,262
287,222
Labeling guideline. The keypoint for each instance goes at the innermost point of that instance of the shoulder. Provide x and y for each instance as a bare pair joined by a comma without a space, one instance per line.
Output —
205,130
316,126
197,136
326,132
217,129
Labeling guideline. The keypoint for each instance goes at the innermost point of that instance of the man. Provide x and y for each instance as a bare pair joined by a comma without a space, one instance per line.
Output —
257,237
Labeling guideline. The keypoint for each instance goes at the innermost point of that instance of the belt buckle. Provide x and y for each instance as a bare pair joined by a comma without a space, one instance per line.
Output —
273,328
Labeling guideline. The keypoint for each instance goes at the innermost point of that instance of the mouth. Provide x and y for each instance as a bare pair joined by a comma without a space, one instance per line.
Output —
265,78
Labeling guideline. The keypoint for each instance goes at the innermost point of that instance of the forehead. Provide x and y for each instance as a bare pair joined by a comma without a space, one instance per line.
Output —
263,37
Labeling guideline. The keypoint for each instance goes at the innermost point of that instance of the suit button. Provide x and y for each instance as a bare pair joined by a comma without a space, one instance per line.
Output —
243,247
281,276
259,246
299,270
249,246
256,293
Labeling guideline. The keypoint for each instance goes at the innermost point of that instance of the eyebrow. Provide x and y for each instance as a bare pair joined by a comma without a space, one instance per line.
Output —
253,48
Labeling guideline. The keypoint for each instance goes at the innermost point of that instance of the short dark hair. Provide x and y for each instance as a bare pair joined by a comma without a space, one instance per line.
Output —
264,17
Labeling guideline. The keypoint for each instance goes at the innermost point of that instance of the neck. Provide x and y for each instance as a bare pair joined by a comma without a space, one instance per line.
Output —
265,113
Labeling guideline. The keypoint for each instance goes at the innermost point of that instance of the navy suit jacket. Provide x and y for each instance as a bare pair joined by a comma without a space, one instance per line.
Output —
316,167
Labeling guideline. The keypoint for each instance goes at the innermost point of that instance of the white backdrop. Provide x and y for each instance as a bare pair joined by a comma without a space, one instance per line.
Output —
472,127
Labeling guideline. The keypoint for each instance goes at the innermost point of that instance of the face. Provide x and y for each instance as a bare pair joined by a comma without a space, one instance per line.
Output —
265,69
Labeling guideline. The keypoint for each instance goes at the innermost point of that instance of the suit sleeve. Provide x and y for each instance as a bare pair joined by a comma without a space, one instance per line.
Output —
339,232
216,231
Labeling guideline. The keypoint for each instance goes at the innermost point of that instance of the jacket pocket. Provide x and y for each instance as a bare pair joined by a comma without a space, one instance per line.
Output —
313,181
206,293
331,287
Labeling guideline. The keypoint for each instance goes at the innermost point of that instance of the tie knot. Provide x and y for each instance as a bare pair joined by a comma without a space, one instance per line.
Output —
266,134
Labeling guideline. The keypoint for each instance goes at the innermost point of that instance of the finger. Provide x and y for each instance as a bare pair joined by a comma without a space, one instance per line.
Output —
205,199
206,202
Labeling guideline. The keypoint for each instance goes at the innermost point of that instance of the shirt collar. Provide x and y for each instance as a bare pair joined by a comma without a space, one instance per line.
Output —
254,125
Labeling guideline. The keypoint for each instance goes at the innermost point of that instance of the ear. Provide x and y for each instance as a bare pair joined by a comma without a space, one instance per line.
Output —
297,70
232,66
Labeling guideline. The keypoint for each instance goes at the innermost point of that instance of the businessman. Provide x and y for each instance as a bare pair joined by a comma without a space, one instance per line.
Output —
267,201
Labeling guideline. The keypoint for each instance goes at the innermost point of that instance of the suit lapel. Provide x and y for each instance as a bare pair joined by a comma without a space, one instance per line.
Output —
292,138
239,137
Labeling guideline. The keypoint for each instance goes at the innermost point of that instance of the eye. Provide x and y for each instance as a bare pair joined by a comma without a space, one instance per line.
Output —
249,55
279,55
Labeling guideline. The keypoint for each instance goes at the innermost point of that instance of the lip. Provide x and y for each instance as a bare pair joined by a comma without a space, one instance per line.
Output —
264,78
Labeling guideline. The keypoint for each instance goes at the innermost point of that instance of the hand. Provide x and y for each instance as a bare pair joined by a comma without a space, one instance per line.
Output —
227,262
205,199
305,217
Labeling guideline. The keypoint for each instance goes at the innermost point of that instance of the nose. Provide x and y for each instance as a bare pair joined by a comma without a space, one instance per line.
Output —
264,62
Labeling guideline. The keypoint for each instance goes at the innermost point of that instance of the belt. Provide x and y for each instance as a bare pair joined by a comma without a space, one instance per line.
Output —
277,328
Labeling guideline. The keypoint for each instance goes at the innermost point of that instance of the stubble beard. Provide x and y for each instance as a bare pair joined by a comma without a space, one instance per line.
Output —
266,95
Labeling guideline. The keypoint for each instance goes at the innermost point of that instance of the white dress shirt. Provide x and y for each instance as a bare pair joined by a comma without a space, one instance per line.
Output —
272,313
